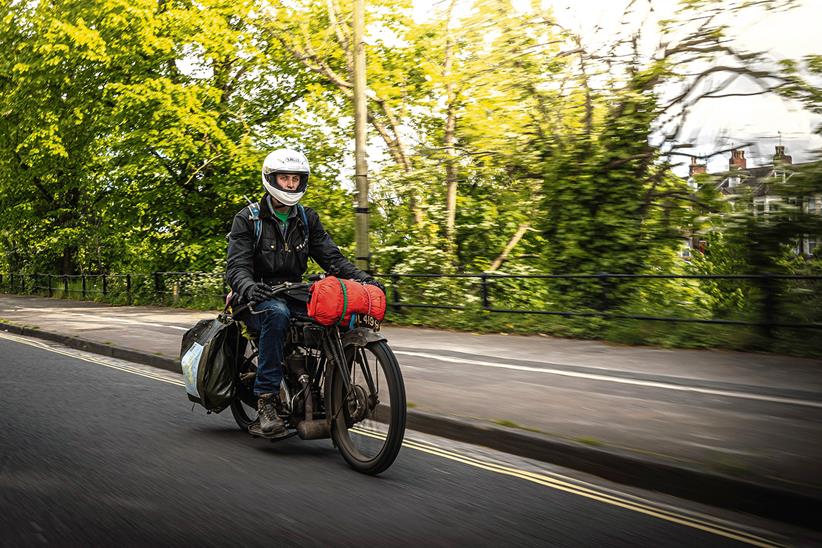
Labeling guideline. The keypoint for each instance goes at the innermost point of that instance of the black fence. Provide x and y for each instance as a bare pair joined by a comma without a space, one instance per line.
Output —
772,299
208,289
766,301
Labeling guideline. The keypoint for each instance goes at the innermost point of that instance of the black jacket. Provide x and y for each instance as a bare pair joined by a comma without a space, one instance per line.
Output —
277,257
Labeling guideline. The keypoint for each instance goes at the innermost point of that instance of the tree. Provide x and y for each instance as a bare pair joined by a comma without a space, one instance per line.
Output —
132,130
611,202
55,120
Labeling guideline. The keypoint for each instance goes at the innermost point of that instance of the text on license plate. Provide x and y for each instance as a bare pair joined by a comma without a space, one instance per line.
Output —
371,322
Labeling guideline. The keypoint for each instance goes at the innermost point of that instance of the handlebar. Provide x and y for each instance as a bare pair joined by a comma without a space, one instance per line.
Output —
285,286
275,290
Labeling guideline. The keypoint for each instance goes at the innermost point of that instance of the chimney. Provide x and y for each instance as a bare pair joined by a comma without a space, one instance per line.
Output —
780,157
737,159
696,168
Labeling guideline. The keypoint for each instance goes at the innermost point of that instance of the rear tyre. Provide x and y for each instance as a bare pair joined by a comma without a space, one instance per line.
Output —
368,423
244,405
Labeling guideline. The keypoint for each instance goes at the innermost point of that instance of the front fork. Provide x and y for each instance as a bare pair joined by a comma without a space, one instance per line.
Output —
335,349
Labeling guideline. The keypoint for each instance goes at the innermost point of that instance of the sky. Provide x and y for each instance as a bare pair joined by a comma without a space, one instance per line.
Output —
718,123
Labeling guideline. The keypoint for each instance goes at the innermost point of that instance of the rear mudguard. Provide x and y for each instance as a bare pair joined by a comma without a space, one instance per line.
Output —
361,336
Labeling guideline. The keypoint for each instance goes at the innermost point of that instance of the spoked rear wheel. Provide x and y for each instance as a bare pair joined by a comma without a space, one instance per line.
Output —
244,405
368,423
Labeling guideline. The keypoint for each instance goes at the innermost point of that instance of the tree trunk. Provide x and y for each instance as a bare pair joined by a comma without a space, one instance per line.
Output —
68,265
523,228
450,179
450,139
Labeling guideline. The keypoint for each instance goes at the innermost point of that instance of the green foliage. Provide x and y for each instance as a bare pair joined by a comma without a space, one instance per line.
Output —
130,133
132,130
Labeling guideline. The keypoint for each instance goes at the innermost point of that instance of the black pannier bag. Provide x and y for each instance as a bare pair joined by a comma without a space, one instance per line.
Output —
208,357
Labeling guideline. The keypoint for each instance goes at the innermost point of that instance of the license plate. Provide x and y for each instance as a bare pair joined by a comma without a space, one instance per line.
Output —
370,322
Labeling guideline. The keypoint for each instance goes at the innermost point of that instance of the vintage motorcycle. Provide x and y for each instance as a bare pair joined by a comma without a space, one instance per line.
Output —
339,382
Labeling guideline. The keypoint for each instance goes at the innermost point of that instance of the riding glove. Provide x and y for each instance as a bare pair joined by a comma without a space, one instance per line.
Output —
373,281
258,293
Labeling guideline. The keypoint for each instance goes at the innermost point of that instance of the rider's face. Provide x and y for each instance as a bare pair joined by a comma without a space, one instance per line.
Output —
288,181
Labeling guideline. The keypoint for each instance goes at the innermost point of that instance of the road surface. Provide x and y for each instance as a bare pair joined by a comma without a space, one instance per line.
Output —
97,451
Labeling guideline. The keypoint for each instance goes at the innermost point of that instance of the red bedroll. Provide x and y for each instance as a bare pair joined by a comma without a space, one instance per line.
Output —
334,300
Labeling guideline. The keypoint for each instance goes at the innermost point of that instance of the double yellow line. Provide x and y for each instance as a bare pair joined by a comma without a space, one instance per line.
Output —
561,483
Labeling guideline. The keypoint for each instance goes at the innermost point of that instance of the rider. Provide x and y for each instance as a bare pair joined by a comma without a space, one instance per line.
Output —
279,253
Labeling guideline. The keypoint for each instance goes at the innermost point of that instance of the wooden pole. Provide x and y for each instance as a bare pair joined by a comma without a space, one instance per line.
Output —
363,258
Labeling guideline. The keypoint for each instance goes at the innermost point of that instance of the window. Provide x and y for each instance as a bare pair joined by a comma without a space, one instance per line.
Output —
794,207
685,251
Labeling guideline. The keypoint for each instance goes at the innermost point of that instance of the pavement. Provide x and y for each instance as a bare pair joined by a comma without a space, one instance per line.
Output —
739,430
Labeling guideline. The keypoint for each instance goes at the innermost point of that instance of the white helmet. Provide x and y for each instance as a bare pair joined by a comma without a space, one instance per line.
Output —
285,160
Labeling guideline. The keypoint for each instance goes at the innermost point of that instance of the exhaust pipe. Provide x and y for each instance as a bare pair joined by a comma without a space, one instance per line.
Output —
314,430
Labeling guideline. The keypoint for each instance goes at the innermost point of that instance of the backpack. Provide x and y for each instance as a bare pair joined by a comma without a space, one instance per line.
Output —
208,358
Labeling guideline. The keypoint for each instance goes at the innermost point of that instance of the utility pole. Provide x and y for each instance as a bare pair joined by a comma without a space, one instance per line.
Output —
363,257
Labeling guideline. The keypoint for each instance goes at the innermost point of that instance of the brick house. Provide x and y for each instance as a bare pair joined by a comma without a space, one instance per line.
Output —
743,183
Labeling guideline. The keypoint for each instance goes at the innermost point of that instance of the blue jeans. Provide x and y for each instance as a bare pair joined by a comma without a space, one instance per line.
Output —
270,319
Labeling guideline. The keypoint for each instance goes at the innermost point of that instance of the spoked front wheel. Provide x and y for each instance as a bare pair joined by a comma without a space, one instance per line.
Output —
368,422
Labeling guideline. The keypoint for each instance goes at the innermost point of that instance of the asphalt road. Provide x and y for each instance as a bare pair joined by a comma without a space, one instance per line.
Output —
752,416
98,452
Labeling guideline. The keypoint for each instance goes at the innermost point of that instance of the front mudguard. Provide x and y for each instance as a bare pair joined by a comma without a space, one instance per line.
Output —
361,336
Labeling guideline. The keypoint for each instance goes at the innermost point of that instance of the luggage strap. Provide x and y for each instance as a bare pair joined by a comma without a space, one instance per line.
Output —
345,301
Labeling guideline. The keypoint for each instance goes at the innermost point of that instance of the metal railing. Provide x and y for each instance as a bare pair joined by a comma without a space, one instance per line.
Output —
175,287
768,313
153,287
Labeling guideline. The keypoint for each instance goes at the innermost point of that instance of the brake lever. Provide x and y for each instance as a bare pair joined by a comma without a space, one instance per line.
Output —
274,290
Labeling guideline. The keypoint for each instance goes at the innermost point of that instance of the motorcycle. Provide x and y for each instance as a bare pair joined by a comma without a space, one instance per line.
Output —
339,382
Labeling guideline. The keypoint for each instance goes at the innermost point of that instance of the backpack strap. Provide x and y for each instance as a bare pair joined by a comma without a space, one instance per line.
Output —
254,216
304,217
301,210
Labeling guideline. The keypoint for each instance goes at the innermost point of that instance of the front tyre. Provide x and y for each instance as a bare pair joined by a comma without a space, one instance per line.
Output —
368,423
